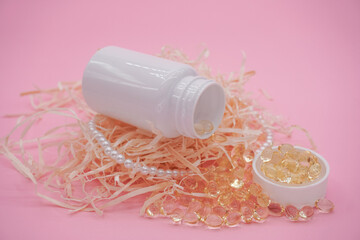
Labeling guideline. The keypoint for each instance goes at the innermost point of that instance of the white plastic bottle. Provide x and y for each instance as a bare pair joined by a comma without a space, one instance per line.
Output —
148,91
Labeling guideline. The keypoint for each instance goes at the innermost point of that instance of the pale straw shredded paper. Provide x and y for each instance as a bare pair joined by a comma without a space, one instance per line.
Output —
80,177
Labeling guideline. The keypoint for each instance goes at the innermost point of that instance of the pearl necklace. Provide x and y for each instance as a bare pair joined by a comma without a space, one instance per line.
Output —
153,171
128,163
269,137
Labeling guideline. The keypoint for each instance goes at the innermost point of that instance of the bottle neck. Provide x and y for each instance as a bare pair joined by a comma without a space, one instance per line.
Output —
195,100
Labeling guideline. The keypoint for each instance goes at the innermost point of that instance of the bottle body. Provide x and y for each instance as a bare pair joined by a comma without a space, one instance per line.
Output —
139,89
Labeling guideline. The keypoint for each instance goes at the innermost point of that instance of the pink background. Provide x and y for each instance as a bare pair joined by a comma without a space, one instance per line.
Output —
306,54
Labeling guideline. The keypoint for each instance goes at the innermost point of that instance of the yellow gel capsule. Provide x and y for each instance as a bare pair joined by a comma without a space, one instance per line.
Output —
290,164
314,171
203,127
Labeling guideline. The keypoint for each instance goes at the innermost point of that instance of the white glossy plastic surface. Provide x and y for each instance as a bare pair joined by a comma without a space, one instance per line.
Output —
148,91
297,195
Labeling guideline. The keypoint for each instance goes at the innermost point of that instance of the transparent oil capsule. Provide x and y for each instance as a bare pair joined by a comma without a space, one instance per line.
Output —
225,198
248,155
291,164
214,221
324,205
276,157
212,189
263,200
275,209
235,205
203,212
239,172
241,194
294,154
299,177
247,211
190,218
303,156
261,213
255,189
306,212
203,127
266,154
283,175
269,170
168,206
292,212
177,215
285,148
219,210
314,171
153,210
233,218
311,158
238,151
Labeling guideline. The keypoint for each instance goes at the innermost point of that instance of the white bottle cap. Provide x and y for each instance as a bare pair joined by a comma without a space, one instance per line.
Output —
298,195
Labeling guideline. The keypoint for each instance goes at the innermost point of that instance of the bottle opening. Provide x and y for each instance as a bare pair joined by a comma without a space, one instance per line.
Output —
209,110
199,108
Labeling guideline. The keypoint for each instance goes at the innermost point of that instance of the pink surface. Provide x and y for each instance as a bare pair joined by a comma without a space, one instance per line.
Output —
306,54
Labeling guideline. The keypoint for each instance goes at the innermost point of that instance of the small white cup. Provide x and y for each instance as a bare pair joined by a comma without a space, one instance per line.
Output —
298,195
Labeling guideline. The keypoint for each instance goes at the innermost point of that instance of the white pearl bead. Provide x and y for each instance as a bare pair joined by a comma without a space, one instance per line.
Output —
113,154
183,172
262,148
101,140
269,141
153,171
98,135
108,150
95,132
265,145
128,163
120,158
92,129
144,170
105,144
169,172
160,172
175,173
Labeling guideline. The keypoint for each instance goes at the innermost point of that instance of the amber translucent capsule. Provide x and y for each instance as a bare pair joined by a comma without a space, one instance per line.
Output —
266,154
263,200
292,212
233,218
275,209
214,221
306,212
324,205
255,189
